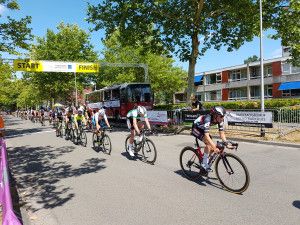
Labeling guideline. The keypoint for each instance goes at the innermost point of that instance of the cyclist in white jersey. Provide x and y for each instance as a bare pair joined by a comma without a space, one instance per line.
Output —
135,124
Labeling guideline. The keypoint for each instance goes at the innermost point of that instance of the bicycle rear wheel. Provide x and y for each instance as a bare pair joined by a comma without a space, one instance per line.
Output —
232,173
83,138
149,151
190,163
106,144
127,144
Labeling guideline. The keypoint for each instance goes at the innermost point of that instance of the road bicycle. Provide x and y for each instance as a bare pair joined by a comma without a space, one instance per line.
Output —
145,145
80,136
230,170
101,140
59,128
69,131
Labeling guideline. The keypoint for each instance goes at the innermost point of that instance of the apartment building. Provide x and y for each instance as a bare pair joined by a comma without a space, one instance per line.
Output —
242,82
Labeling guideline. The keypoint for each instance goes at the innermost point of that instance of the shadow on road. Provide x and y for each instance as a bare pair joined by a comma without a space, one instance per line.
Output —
37,173
15,133
296,204
197,181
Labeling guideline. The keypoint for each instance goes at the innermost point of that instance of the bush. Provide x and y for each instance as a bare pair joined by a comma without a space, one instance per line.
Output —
269,104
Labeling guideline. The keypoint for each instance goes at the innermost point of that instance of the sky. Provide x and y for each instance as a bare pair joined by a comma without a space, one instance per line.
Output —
47,14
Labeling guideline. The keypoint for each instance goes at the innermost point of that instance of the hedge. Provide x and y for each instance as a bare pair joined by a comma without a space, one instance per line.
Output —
269,104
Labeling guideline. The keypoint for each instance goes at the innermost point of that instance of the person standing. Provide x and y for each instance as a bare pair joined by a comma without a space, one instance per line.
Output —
1,126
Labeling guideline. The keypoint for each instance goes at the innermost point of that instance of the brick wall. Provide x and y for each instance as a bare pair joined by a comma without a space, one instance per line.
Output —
276,93
276,68
225,76
225,93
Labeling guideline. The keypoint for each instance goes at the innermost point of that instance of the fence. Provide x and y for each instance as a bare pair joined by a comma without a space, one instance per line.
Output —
8,215
283,120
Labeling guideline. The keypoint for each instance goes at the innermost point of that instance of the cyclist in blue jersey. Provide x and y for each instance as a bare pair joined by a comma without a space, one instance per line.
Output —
201,127
135,124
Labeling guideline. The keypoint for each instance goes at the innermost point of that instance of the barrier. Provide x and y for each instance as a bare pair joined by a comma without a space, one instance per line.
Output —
8,215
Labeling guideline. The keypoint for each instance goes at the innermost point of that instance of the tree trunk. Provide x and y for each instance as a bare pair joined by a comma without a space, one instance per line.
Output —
192,65
195,49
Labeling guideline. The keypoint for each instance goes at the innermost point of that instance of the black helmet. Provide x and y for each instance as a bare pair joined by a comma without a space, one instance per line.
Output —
218,111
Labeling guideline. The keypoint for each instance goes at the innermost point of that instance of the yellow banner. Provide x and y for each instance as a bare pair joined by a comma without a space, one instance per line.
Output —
28,65
87,68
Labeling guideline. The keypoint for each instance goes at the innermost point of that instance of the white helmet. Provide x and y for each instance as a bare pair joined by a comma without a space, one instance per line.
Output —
80,111
101,112
141,110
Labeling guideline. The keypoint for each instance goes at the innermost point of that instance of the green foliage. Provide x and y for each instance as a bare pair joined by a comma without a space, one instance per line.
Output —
14,33
269,104
250,59
70,43
29,96
165,79
188,28
287,24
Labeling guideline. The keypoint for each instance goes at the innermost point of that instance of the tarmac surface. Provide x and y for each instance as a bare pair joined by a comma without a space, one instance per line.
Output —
61,183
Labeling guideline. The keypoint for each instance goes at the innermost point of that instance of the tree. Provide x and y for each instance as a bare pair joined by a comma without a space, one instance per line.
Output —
250,59
186,28
164,77
14,33
70,43
288,26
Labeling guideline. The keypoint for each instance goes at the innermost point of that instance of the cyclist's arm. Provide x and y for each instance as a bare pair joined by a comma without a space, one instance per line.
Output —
147,123
209,141
106,121
222,136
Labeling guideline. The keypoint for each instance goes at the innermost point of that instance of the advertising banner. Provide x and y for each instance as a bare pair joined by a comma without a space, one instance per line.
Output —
158,117
252,119
28,65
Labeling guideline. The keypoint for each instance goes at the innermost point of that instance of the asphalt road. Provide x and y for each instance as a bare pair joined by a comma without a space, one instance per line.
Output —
61,183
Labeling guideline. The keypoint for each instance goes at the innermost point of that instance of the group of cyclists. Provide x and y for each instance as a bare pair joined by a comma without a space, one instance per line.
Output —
135,117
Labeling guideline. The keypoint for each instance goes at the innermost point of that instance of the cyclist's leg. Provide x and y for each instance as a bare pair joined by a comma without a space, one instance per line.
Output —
132,134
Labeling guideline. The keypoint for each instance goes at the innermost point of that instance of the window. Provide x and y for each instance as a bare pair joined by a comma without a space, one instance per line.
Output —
238,93
218,78
138,93
116,94
295,69
267,71
291,93
286,68
255,91
107,95
213,95
237,75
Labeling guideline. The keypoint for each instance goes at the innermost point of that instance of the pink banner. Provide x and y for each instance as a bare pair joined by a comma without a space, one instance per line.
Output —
8,215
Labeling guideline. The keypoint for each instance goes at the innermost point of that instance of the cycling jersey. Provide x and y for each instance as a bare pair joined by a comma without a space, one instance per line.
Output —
134,114
202,124
79,117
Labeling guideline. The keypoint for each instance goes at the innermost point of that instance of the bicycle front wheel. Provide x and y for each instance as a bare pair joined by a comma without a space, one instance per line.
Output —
149,151
106,144
83,138
232,173
190,163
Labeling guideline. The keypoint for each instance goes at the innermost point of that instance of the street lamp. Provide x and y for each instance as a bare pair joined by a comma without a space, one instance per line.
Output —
262,89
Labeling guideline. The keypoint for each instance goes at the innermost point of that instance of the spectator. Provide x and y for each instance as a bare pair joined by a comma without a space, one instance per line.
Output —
196,104
1,126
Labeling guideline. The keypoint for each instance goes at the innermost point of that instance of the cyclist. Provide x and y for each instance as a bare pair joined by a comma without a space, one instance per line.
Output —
101,120
135,124
79,118
42,113
200,130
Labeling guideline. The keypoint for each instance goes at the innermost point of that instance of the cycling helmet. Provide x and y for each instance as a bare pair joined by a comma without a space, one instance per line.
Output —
218,111
141,110
80,111
101,112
